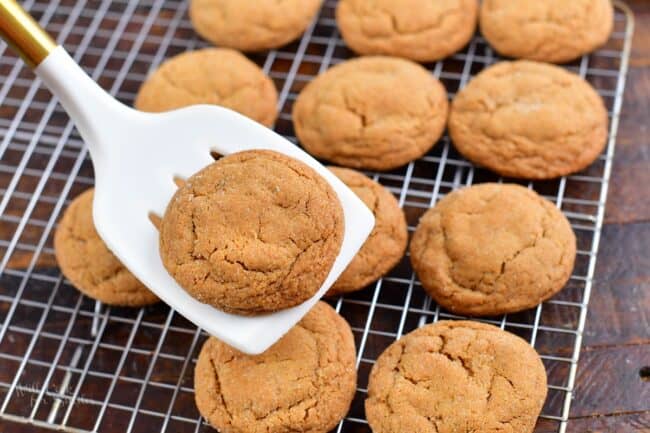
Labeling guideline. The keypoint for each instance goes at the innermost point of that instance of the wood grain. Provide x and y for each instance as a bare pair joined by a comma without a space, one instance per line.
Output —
619,312
610,394
609,381
629,194
632,422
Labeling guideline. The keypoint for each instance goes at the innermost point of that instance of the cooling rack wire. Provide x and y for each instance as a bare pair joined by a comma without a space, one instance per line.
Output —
69,363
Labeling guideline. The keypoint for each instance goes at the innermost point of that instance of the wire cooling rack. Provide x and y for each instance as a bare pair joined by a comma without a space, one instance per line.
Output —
70,363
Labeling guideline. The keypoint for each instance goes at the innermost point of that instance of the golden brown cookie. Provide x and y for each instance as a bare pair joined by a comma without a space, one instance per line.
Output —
304,383
529,120
493,248
420,30
385,246
555,31
87,262
252,233
252,25
456,376
217,76
371,112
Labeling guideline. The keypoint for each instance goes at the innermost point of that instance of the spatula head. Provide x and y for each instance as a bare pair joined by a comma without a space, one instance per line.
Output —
136,178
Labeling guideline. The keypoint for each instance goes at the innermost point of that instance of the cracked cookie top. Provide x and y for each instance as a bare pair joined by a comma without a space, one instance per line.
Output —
456,376
304,383
252,233
493,248
420,30
529,120
252,25
555,31
87,262
217,76
377,113
385,246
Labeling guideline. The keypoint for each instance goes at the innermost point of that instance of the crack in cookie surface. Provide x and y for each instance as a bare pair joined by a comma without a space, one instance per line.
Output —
305,382
551,31
530,120
456,376
386,244
421,30
87,262
354,116
252,25
216,76
493,248
254,232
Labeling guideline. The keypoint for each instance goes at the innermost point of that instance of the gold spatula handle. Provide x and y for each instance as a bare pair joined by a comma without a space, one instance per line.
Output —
24,34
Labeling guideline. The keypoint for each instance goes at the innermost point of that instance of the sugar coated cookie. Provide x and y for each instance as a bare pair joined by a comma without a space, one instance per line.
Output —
252,233
87,262
529,120
493,248
304,383
385,246
420,30
555,31
456,376
252,25
216,76
377,113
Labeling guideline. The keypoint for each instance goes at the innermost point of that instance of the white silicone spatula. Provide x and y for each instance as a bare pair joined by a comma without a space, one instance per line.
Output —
136,157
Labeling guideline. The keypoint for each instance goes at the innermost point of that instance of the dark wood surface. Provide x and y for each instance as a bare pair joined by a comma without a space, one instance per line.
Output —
612,386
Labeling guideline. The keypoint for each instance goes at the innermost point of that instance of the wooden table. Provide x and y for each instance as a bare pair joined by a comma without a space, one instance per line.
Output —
613,383
612,387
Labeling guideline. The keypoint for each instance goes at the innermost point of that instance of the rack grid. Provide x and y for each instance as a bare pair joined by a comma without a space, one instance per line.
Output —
70,363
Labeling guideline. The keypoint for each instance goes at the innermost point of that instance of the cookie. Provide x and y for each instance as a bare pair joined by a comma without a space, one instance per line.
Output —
217,76
377,113
252,25
420,30
555,31
493,248
254,232
529,120
304,383
385,246
85,260
456,376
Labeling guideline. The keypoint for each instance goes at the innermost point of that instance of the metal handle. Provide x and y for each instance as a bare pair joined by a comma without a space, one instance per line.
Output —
24,34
